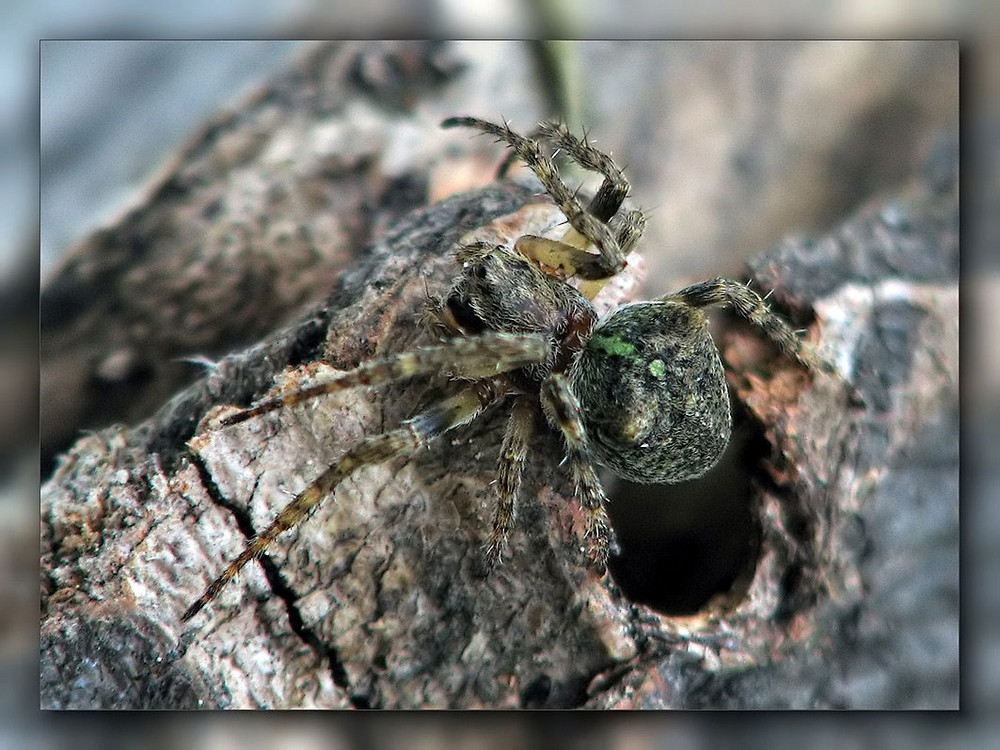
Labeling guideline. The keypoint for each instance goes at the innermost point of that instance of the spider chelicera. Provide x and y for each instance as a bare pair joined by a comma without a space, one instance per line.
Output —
640,390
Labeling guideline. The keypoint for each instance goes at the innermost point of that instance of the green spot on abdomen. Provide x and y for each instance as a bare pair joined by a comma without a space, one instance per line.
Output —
611,345
657,369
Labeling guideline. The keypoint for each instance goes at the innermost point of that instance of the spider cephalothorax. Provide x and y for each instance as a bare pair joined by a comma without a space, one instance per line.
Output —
640,390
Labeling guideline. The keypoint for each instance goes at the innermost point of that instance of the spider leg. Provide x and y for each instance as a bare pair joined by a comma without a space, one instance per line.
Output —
413,435
465,357
752,307
613,191
513,456
615,188
630,230
589,229
552,254
563,410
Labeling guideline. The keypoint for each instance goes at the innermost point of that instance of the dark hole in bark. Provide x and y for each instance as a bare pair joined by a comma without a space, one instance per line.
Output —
537,692
683,544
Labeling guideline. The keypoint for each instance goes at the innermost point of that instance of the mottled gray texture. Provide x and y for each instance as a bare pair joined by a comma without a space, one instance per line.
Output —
653,394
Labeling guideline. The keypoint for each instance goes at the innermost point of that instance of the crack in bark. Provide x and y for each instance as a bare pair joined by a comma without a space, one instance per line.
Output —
280,587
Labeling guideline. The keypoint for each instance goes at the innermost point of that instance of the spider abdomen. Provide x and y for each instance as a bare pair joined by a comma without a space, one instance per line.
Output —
653,393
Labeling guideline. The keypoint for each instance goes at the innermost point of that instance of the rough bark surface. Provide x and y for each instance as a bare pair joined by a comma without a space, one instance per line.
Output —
255,218
854,600
849,597
381,599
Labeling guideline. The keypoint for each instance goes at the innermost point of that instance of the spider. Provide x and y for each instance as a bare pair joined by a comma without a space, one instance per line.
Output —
640,390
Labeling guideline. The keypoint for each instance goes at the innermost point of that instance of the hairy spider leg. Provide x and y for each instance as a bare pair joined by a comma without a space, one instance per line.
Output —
609,198
605,204
565,258
414,434
563,409
752,307
615,188
466,357
475,357
513,457
629,231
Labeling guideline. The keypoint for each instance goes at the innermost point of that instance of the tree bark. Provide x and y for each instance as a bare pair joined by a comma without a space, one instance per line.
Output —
847,595
854,597
253,220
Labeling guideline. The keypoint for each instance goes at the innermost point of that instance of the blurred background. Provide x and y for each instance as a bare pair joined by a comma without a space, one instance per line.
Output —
701,128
